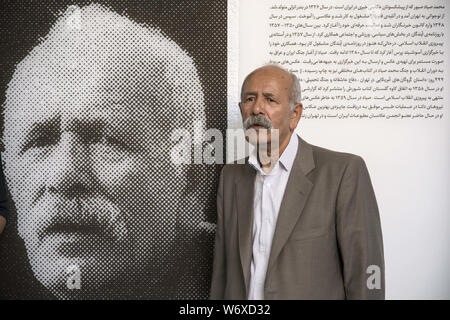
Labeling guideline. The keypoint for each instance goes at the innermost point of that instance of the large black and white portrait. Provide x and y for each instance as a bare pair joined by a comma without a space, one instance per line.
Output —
91,91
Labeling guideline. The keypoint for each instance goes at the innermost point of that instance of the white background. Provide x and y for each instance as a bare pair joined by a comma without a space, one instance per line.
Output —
408,161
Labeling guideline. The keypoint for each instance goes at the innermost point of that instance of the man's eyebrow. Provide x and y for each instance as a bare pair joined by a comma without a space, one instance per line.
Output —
250,93
254,93
43,127
87,129
47,129
88,126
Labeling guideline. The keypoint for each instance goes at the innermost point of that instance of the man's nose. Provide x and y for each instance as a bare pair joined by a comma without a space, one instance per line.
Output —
70,168
258,106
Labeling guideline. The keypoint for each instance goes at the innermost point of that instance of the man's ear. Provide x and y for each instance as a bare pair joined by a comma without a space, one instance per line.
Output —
296,115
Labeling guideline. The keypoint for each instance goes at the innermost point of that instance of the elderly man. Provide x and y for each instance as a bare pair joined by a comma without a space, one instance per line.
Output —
296,221
88,116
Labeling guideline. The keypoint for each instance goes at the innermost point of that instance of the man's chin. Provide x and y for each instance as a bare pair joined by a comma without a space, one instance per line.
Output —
75,272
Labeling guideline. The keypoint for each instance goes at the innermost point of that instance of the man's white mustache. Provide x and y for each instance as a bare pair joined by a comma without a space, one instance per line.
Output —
258,120
84,213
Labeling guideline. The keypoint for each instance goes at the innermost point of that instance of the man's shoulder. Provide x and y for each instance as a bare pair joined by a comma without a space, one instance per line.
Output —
329,155
323,158
327,158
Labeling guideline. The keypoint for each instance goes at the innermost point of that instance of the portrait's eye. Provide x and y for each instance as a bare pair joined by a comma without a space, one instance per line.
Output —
115,142
96,137
41,139
250,99
110,148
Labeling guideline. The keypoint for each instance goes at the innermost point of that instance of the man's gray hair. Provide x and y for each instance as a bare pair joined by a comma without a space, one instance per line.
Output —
295,96
296,92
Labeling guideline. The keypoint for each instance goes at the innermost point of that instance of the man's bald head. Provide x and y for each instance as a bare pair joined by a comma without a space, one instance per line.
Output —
295,91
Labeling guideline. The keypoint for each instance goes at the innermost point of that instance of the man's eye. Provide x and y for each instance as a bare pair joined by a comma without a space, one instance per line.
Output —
271,100
249,99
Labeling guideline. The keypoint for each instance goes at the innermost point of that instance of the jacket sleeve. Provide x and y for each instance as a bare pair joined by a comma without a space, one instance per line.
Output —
4,207
219,264
359,234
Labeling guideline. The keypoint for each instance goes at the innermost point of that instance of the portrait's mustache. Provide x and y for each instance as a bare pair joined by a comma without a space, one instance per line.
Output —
258,120
96,215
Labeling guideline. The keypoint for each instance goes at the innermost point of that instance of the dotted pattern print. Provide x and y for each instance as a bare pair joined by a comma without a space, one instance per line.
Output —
90,98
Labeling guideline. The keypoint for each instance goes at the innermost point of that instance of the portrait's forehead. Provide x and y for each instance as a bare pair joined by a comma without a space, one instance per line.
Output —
103,66
104,51
103,56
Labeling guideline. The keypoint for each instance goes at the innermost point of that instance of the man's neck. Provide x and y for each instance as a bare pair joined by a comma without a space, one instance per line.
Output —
267,158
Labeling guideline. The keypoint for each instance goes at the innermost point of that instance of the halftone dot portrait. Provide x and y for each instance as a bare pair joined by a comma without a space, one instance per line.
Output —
90,93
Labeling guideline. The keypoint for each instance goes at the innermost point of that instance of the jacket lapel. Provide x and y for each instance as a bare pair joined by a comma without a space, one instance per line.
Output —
297,191
244,196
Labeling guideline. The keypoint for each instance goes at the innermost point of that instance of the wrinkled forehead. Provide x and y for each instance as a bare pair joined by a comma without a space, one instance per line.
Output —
270,78
97,59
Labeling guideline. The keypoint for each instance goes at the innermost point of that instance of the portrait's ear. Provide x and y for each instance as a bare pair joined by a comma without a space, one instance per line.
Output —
240,107
296,115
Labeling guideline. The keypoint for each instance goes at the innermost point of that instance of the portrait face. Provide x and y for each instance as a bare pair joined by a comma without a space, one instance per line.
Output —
266,93
87,153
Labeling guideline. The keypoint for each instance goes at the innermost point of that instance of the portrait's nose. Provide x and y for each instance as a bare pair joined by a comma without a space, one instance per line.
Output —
70,173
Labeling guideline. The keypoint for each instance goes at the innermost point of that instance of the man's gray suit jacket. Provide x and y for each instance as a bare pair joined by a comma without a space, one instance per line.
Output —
327,242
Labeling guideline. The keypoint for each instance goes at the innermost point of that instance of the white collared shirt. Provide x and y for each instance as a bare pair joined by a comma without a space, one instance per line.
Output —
268,194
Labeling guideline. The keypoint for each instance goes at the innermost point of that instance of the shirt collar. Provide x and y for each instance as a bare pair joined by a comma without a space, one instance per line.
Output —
287,157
